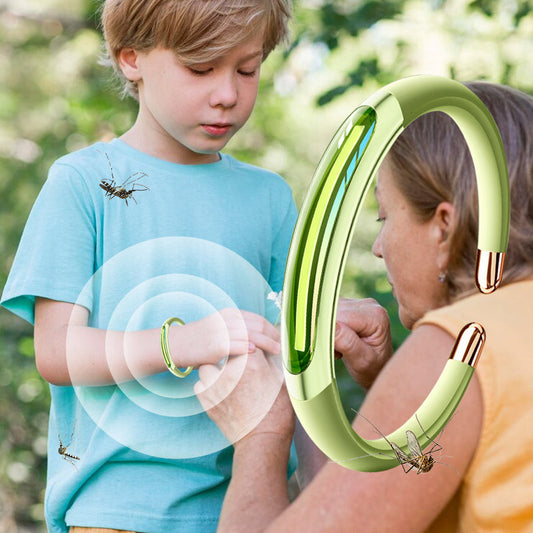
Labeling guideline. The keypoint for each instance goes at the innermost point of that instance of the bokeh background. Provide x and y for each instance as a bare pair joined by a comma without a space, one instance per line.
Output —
55,98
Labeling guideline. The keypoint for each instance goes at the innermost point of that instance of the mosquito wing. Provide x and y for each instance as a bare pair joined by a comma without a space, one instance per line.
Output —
413,444
402,457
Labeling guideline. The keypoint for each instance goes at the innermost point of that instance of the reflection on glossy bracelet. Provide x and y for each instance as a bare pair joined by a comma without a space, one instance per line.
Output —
319,249
165,348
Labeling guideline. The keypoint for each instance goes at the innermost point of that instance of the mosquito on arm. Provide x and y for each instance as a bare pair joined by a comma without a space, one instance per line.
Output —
416,458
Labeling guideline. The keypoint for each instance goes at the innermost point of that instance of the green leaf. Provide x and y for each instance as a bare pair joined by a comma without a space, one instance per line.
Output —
26,347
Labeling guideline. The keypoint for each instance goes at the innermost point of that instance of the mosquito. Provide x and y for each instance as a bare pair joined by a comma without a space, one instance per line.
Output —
422,461
126,189
62,450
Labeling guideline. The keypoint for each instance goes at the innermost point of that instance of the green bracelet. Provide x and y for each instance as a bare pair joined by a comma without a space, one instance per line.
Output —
165,348
319,249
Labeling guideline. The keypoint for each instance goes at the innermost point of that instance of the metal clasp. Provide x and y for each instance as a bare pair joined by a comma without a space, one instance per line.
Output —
489,270
469,343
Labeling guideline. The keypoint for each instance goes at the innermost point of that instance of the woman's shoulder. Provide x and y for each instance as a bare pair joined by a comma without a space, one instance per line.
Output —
510,295
509,300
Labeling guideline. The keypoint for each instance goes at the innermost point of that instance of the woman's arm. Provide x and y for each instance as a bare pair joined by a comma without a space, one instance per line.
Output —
339,499
250,397
67,351
250,505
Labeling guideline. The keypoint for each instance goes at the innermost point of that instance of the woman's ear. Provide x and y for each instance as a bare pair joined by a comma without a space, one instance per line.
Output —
128,61
444,221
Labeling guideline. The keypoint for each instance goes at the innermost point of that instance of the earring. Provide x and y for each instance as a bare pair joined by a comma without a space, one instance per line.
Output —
442,277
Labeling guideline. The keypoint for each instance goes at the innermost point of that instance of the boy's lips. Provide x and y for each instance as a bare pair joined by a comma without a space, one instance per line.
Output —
217,129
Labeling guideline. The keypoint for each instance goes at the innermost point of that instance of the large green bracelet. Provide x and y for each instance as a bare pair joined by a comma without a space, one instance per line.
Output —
165,348
319,249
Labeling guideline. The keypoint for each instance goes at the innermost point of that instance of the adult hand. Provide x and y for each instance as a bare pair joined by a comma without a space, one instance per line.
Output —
247,398
362,338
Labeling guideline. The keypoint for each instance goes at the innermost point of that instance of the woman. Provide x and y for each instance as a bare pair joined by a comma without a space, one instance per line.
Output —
426,193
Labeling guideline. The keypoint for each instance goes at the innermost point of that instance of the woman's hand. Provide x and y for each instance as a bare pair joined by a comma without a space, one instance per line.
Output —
239,397
249,403
362,338
247,398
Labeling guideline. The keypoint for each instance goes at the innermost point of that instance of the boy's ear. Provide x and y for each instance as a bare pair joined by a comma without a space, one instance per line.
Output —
129,64
444,221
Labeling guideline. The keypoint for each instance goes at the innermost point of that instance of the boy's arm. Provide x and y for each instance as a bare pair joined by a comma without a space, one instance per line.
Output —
68,352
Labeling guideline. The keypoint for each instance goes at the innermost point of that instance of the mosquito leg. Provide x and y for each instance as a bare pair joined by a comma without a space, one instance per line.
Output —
423,431
404,467
70,439
409,469
110,166
436,448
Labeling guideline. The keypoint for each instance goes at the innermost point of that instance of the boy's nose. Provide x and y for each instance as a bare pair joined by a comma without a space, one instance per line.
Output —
224,92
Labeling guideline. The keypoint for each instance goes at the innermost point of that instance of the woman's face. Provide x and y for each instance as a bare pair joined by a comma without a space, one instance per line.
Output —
412,250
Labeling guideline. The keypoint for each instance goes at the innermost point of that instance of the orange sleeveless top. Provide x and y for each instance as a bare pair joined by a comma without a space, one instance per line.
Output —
497,490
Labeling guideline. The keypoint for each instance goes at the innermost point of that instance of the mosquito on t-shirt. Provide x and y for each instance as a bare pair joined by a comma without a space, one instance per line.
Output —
126,189
62,450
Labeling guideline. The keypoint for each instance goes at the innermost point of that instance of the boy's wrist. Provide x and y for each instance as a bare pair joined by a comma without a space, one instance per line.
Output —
165,348
190,345
178,344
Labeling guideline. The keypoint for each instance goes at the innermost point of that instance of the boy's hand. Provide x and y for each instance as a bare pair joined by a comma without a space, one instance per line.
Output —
363,338
227,332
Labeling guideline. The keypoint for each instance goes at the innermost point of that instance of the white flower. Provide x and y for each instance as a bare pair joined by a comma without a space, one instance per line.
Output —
275,297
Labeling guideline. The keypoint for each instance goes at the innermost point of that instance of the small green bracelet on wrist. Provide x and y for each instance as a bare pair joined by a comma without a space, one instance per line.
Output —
165,348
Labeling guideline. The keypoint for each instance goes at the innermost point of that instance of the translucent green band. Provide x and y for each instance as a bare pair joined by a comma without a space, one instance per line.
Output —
165,348
320,245
324,420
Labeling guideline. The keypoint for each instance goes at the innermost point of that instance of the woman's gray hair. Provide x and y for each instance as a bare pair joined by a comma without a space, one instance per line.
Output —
431,163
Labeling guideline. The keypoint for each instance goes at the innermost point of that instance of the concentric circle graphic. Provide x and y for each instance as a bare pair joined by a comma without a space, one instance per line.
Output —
138,289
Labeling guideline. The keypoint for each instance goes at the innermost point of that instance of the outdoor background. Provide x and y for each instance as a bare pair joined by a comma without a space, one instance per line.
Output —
55,98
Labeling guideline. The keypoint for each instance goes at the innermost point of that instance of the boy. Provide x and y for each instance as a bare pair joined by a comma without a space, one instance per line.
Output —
155,224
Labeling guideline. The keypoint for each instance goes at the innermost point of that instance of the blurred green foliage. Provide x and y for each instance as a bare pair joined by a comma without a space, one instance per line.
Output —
55,98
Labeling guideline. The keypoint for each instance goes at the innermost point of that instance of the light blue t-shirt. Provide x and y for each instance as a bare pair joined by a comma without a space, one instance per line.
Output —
136,240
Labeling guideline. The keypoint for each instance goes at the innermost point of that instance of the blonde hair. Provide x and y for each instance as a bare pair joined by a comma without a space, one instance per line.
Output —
196,30
431,164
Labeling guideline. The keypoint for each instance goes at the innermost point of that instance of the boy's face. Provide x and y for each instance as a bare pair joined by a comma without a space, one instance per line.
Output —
188,113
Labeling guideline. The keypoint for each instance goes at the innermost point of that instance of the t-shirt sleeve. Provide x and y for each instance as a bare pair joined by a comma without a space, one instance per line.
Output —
55,257
282,242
